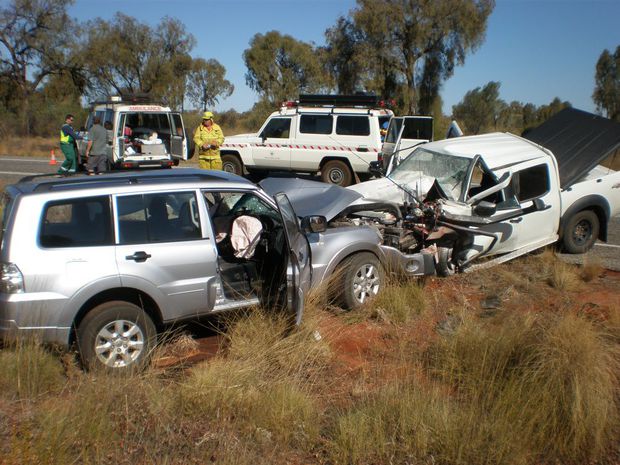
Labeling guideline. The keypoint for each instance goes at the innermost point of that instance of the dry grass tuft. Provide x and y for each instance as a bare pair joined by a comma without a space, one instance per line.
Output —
29,146
591,269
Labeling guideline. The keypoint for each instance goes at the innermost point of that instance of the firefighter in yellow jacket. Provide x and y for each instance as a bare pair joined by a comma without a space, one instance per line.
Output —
208,137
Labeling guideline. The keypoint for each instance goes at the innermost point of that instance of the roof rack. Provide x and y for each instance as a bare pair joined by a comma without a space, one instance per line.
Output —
358,100
127,99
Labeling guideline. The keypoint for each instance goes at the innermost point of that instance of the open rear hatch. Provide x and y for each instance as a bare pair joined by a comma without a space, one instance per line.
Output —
579,140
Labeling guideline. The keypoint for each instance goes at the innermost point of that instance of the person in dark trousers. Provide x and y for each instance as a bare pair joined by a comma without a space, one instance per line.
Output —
96,148
67,145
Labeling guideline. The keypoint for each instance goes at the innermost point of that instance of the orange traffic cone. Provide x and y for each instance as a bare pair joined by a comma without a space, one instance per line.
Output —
52,157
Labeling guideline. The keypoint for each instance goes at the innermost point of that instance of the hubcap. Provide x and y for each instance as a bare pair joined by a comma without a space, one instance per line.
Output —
366,282
119,343
336,176
582,232
229,168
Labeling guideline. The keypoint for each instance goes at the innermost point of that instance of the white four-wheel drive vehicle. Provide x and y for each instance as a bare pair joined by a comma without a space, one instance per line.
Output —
336,135
502,195
140,134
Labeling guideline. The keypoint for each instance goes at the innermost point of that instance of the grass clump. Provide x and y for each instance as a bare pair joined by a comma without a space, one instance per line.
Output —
29,370
399,303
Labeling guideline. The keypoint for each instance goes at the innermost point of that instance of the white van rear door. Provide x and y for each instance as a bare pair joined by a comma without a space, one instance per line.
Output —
178,143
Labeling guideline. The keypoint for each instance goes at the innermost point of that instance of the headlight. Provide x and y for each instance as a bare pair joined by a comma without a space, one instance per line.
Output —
11,279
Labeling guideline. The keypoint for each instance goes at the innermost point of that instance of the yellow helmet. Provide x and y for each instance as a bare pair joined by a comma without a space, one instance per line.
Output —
207,115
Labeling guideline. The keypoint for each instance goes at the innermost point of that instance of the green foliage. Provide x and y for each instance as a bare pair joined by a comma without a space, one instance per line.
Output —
413,46
281,67
146,60
36,37
206,83
481,110
607,89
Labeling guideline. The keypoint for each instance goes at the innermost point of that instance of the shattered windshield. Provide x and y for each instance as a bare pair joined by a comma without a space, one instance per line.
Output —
424,165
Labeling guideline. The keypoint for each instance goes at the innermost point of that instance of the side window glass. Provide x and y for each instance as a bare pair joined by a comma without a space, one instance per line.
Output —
531,183
108,119
278,128
81,222
352,125
418,128
393,130
160,217
177,122
315,124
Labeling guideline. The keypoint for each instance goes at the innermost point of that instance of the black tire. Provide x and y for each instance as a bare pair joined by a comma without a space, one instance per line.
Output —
581,232
336,172
362,277
232,164
444,266
118,353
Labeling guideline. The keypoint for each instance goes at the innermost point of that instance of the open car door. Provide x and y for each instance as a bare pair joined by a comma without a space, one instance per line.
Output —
298,270
178,143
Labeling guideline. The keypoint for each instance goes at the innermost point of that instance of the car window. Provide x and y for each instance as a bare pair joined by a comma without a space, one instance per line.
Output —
159,217
315,124
393,130
531,183
352,125
418,128
76,223
278,128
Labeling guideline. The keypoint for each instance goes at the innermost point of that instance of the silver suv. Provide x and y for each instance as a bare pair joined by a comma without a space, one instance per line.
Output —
106,261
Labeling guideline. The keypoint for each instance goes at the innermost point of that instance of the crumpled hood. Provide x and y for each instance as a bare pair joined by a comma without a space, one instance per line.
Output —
312,197
390,191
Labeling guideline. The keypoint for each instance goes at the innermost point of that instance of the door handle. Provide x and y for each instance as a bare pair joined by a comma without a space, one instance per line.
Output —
516,220
139,257
362,149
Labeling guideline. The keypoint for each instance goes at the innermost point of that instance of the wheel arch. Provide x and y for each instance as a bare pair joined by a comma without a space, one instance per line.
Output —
348,252
133,296
598,204
329,158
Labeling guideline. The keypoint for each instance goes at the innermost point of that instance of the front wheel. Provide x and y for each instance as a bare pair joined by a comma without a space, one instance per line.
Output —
336,172
232,164
116,336
362,279
581,232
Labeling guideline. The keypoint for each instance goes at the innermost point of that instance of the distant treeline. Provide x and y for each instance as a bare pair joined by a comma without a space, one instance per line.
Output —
403,50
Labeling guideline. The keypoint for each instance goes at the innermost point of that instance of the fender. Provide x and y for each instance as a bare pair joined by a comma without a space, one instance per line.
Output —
596,203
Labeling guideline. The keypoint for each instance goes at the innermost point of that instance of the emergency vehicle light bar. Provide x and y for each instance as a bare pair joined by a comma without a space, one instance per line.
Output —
361,100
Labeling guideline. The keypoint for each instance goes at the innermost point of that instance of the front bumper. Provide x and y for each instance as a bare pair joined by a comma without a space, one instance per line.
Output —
418,264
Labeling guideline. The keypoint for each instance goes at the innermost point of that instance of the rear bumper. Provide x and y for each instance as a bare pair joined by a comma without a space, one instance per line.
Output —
145,162
32,319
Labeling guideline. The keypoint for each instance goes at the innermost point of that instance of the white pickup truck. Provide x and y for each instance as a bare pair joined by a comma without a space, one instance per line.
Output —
337,135
499,195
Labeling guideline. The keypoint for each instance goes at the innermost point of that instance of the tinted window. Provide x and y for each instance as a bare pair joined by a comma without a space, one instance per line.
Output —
278,128
315,124
158,217
418,128
531,183
352,125
77,223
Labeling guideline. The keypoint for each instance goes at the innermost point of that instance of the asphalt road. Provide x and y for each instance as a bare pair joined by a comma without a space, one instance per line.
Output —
607,254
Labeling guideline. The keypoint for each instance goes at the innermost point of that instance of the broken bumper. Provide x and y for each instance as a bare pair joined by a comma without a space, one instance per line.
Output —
418,264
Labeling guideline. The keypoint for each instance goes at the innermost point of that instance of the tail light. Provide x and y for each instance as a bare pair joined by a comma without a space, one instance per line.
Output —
11,279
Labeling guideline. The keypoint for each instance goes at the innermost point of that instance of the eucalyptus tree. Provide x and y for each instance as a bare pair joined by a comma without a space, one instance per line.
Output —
36,38
409,46
206,83
606,94
124,55
280,67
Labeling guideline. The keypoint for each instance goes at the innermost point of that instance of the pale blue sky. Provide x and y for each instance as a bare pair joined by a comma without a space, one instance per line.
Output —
537,49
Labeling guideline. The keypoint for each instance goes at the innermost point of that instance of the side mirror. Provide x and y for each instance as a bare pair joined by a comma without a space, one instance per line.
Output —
263,137
539,205
314,224
375,168
485,209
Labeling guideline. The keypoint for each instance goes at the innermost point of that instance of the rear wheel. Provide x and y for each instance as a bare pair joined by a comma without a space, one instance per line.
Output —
362,279
116,336
232,164
336,172
581,232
